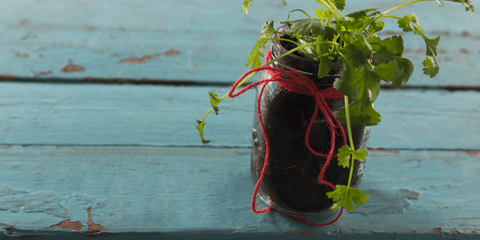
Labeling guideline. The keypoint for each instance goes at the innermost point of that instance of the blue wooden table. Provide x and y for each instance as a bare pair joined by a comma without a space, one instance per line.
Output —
99,100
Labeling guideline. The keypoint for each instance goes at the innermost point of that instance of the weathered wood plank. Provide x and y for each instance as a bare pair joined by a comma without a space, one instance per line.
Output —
85,114
134,40
185,191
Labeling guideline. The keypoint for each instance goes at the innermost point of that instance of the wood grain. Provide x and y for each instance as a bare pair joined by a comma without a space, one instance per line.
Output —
187,191
86,114
212,39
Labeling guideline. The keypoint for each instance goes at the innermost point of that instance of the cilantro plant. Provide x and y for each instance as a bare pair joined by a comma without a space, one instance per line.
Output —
367,60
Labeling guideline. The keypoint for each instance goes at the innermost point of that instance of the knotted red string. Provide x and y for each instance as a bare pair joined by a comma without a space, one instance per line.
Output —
298,83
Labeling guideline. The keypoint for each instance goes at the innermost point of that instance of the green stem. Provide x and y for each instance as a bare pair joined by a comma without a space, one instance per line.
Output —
350,138
332,7
390,10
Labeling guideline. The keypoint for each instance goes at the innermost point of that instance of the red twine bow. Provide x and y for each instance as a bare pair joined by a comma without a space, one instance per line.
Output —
298,83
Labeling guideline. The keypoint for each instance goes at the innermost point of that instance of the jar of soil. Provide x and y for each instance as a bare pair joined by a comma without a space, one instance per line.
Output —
290,182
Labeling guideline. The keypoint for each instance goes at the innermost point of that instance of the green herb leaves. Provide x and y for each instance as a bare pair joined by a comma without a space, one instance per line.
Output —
406,22
214,101
430,63
346,151
200,125
245,6
390,66
307,28
256,53
410,23
347,196
467,3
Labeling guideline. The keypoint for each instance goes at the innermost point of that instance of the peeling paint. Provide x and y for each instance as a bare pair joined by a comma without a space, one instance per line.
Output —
311,234
475,233
453,233
396,151
21,55
67,224
136,60
90,28
72,68
437,231
291,233
472,152
464,51
308,233
171,53
94,230
23,236
93,227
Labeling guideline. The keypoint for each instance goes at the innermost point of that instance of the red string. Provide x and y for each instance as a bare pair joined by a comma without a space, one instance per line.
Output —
298,83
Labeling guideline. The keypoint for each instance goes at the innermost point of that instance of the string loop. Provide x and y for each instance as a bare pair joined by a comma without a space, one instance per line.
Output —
299,83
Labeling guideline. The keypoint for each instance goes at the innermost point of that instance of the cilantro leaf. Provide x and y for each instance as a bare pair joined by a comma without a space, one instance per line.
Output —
388,61
430,63
356,21
376,26
307,28
199,127
397,71
246,5
360,154
324,67
320,14
359,51
256,53
406,22
344,156
214,101
361,81
340,4
347,195
360,13
430,66
267,31
467,3
361,112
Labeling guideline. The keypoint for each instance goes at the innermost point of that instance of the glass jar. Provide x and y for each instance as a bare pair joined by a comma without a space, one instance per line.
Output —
290,182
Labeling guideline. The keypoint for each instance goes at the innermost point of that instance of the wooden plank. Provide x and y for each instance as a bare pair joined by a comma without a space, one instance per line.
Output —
141,40
184,192
99,114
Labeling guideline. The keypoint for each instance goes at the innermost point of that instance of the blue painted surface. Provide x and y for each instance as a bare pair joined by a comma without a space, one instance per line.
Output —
125,161
213,38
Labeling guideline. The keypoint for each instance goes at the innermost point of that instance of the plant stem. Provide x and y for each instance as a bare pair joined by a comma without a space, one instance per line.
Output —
350,138
331,7
390,10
